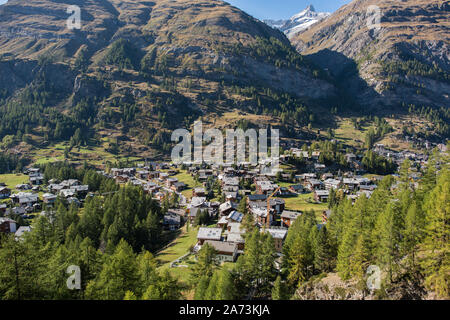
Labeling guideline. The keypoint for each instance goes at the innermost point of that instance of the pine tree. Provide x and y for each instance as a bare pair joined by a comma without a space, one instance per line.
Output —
120,273
387,236
279,290
313,237
206,263
225,286
404,171
255,269
211,291
45,230
298,261
147,270
267,269
13,277
413,234
322,255
129,295
332,199
168,287
350,234
153,230
248,224
57,276
152,293
436,261
200,289
428,181
242,207
359,261
91,220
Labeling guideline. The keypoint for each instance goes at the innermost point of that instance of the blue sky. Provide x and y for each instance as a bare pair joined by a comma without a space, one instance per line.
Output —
280,9
283,9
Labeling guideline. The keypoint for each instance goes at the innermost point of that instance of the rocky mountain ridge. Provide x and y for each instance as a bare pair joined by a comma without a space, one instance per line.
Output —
299,22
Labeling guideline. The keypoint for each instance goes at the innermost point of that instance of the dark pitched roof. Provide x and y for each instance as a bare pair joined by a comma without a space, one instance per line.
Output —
257,197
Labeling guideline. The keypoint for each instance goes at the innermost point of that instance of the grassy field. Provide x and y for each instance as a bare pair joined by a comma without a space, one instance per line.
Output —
346,132
175,250
11,180
178,247
305,202
96,155
185,177
349,135
284,184
230,118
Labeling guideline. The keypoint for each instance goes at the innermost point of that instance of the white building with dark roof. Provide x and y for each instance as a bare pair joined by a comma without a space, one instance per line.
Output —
226,251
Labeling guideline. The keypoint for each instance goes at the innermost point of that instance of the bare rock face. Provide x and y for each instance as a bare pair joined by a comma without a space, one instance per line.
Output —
332,287
18,74
404,61
299,22
15,74
85,87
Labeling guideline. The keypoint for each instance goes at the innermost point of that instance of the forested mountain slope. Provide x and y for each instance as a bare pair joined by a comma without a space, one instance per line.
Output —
141,68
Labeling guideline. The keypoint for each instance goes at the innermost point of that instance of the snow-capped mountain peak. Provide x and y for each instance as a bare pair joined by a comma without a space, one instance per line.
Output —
299,22
309,11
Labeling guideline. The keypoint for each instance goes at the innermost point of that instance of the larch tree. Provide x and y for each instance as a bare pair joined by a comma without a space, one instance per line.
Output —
436,247
279,291
387,235
412,234
323,255
206,263
119,275
350,233
225,286
201,287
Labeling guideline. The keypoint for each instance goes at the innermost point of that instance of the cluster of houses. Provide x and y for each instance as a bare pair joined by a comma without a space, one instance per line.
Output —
151,177
399,157
264,201
266,204
423,143
158,180
227,237
264,196
27,200
353,186
312,160
269,212
8,225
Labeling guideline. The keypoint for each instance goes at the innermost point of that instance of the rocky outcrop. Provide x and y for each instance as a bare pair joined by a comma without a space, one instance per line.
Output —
85,87
332,287
299,22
